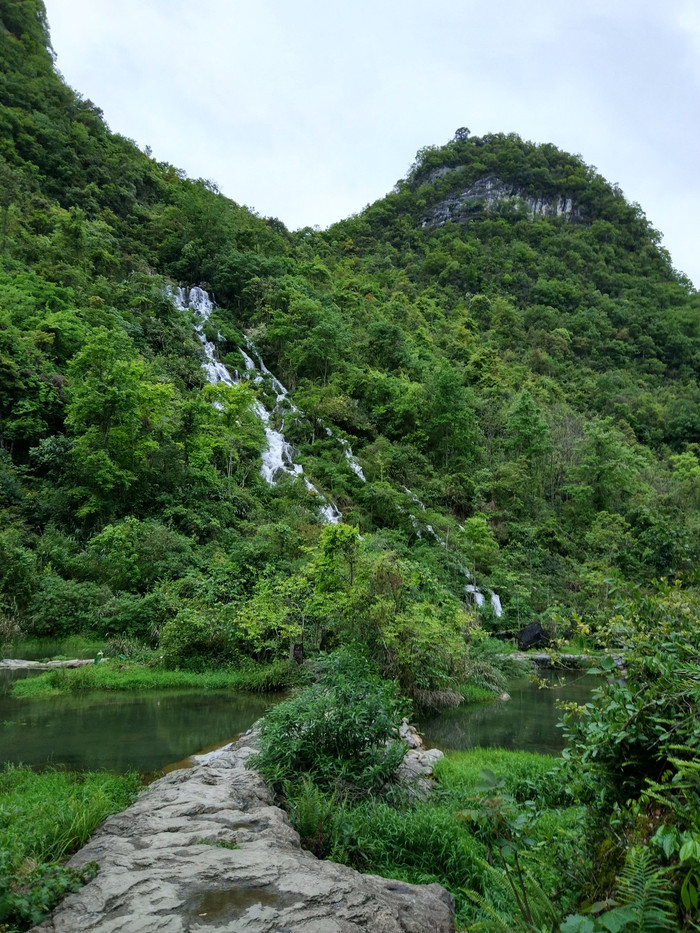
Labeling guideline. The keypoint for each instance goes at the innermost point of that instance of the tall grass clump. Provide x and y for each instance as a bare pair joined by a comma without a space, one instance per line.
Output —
44,818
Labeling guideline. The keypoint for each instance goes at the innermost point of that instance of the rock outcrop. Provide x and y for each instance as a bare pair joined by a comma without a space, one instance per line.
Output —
13,664
489,193
205,849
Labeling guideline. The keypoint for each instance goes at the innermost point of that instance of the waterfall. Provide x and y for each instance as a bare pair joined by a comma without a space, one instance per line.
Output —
278,454
470,589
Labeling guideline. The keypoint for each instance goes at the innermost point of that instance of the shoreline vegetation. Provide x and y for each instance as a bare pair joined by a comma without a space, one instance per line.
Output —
44,818
129,666
134,677
131,676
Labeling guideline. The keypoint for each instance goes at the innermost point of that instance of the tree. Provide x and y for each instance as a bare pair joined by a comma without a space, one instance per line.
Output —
608,471
479,543
118,414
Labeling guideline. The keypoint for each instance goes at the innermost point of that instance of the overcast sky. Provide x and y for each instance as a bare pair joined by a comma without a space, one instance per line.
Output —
310,110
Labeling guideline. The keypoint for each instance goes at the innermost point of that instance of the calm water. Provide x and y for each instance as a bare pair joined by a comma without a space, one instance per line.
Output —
147,731
152,730
528,721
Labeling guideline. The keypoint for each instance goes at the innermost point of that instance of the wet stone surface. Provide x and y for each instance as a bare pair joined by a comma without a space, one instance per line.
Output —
204,849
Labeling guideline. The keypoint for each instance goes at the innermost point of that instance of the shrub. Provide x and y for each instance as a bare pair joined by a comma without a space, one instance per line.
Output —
63,607
195,639
341,731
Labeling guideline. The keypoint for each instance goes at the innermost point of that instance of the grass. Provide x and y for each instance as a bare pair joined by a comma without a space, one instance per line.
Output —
44,818
125,676
475,694
434,841
459,775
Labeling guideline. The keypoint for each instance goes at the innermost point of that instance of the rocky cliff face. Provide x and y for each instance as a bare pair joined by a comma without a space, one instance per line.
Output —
490,193
205,849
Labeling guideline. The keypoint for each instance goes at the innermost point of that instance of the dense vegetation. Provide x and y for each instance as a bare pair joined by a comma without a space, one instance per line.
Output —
605,838
520,388
43,819
510,353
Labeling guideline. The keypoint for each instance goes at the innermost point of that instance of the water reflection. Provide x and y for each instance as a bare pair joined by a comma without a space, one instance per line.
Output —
122,731
528,721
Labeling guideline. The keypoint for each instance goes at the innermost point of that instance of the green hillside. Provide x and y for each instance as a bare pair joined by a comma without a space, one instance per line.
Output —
501,339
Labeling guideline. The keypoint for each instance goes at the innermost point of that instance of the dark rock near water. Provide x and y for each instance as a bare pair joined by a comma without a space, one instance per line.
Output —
532,636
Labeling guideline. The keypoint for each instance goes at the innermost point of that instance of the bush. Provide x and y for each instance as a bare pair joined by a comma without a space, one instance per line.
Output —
64,607
138,617
196,639
132,555
341,731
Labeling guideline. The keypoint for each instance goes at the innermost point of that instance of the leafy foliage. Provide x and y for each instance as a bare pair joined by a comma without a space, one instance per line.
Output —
43,819
341,732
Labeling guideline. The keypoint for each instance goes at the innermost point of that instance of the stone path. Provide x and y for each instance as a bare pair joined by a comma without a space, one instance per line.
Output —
204,850
13,664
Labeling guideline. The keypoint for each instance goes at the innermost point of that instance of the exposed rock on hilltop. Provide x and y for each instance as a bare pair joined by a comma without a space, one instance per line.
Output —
490,193
205,849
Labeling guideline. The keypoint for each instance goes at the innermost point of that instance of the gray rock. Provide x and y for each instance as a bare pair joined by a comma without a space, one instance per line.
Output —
416,769
409,734
205,849
489,193
15,664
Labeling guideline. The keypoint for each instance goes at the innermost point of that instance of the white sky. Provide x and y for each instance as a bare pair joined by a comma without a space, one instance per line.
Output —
308,110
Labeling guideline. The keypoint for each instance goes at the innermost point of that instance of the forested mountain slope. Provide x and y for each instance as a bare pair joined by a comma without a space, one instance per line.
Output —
501,339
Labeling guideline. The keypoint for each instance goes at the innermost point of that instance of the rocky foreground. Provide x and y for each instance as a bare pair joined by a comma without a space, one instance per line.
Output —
204,849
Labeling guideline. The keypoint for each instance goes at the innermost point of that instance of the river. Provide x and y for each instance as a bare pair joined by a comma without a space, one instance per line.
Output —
151,731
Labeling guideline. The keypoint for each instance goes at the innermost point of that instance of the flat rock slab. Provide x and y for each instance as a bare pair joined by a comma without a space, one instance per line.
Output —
16,664
205,850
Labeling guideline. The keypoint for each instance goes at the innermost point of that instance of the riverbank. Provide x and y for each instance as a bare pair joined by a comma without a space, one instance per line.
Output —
207,847
115,675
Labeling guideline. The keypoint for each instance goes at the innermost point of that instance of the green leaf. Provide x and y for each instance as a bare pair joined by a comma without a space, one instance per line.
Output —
618,918
690,896
575,923
690,851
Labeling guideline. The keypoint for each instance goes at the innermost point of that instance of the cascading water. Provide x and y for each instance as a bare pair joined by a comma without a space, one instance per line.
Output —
278,455
353,462
470,589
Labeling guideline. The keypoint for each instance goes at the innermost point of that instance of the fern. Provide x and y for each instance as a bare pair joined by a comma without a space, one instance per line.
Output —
496,923
526,896
643,892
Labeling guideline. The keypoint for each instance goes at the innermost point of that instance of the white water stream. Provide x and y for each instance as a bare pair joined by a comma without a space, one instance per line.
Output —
278,455
470,589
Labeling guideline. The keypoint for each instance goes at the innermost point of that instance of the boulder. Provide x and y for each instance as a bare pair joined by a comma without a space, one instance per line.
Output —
204,849
532,636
